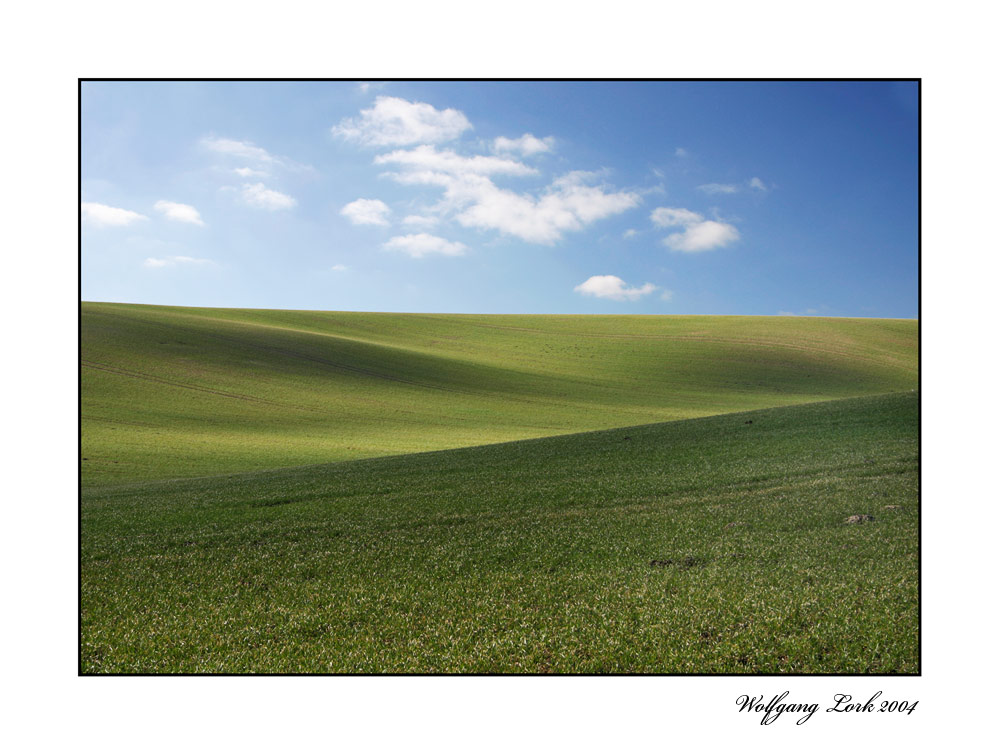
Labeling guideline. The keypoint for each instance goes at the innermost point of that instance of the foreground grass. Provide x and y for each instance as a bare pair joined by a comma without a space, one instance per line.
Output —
185,392
708,545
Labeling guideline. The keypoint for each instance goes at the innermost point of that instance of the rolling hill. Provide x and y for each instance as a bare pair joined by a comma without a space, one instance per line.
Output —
711,545
173,392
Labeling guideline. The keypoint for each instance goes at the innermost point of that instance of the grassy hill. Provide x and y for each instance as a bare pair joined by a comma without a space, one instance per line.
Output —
182,392
709,545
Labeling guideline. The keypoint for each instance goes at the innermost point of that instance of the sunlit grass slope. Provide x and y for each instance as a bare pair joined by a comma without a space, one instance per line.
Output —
180,392
710,545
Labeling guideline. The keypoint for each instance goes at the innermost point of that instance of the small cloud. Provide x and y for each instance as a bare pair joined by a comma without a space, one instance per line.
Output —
527,144
250,173
612,287
370,86
666,217
419,245
756,184
157,262
699,235
393,121
182,213
103,216
367,212
630,233
719,188
667,295
235,148
339,268
246,150
681,152
258,195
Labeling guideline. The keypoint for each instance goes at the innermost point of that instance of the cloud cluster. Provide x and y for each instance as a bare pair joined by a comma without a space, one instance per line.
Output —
366,212
568,204
419,245
182,213
699,235
470,195
103,216
264,165
612,287
393,121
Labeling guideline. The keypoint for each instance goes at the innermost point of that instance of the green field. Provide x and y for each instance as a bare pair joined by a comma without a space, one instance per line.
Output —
707,545
705,533
182,392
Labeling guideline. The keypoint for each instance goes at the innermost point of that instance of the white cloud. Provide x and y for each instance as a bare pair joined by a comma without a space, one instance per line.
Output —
719,188
667,295
754,183
258,195
367,212
102,215
699,235
156,262
248,151
526,144
182,213
681,152
428,158
339,268
250,173
393,121
612,287
421,244
702,236
666,217
241,149
425,221
568,204
630,233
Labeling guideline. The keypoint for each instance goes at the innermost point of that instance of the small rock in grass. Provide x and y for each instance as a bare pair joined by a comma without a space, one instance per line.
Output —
894,507
859,518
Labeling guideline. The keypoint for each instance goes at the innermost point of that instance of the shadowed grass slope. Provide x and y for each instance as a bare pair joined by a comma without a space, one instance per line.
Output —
180,392
710,545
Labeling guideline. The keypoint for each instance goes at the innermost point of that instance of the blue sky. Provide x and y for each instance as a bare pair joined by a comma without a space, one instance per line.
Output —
753,198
